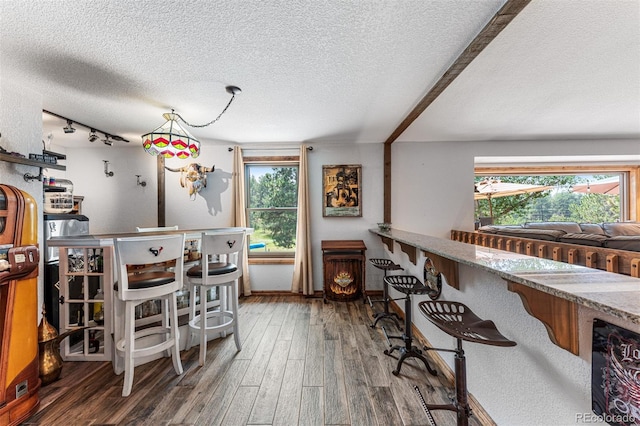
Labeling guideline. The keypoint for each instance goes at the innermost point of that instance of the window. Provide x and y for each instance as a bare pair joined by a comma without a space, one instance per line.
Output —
578,194
272,206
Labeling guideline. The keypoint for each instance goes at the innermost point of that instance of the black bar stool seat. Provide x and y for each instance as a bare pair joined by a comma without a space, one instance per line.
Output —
409,285
386,265
457,320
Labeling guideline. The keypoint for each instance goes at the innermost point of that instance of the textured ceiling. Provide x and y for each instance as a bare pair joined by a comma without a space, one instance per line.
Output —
338,71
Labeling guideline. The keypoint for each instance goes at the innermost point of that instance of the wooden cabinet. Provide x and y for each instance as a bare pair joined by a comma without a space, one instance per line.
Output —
85,290
343,265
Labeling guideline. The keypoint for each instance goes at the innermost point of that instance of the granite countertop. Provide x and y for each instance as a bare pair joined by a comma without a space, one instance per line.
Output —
614,294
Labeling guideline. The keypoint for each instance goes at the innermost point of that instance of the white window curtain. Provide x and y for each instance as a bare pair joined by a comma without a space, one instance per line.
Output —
239,215
302,272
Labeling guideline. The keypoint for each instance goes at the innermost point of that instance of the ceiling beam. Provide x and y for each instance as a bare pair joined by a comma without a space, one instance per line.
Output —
499,22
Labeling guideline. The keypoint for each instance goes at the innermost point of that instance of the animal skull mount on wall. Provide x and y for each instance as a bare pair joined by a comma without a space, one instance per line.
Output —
193,177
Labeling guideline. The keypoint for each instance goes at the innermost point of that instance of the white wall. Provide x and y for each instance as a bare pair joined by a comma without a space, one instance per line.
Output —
119,204
278,277
348,228
536,382
115,204
213,204
21,131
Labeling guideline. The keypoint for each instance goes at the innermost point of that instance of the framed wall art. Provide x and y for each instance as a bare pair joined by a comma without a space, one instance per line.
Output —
615,358
342,190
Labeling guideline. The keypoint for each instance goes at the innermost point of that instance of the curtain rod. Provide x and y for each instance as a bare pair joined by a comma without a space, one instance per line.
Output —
309,148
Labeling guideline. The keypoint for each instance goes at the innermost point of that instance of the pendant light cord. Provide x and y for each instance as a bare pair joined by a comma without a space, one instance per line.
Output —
233,96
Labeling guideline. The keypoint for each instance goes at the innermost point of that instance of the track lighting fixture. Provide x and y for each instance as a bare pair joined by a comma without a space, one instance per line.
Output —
69,128
93,136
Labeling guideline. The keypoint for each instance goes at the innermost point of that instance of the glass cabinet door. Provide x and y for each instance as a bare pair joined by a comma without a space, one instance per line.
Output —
85,288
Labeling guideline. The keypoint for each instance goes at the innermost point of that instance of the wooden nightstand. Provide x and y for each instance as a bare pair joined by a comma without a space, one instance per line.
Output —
343,264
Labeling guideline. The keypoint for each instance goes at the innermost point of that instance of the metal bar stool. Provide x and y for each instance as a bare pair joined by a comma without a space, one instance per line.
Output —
385,265
459,321
409,285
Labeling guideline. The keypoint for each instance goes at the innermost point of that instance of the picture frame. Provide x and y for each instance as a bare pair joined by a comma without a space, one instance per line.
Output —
342,190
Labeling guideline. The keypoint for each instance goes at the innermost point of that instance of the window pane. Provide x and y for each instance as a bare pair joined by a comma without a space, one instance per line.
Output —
271,186
272,199
274,231
572,198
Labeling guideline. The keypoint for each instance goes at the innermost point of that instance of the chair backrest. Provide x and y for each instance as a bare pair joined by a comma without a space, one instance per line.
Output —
159,228
149,250
227,246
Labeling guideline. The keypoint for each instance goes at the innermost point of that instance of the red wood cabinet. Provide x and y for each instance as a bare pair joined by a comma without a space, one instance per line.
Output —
343,265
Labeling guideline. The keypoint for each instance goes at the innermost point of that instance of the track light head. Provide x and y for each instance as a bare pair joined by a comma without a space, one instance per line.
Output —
107,141
69,127
93,136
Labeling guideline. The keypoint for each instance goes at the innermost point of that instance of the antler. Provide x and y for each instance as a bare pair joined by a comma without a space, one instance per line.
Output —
197,167
181,169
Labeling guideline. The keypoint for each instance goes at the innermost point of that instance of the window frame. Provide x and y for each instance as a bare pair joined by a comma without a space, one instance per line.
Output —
271,161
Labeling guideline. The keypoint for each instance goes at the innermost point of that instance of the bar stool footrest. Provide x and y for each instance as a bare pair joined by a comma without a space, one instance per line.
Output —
382,315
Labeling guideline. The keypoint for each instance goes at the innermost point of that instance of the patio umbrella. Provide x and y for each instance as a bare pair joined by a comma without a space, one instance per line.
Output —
493,188
609,186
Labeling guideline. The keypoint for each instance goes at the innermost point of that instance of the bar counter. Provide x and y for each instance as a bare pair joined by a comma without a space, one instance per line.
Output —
86,277
614,294
106,240
563,317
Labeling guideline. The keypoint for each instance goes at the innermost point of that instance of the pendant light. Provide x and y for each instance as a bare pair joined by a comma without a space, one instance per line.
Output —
173,140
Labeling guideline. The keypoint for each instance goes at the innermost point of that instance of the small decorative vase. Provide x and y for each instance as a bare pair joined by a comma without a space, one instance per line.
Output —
50,361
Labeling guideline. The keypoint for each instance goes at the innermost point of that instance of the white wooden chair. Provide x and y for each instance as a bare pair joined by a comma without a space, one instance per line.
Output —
220,266
135,288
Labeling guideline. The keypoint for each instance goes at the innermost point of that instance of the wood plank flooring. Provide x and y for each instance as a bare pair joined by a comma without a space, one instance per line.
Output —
303,362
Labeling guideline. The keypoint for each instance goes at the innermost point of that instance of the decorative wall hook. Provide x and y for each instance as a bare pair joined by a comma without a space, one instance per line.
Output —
106,169
142,183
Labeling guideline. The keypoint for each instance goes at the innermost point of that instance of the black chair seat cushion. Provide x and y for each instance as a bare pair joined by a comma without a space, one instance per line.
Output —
150,279
215,268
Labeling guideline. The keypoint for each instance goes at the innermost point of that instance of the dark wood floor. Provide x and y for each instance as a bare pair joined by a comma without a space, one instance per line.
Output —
303,362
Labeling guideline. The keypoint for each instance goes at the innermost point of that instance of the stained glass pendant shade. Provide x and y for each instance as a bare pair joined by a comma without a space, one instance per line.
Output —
171,140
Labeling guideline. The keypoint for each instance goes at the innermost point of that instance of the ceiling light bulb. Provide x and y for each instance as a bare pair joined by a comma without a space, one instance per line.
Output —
69,128
93,136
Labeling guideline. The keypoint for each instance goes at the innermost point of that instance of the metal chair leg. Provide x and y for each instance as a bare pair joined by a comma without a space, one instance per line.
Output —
408,350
